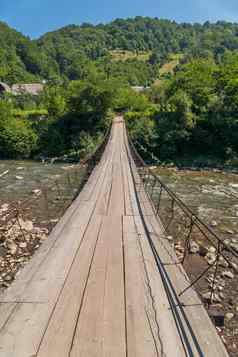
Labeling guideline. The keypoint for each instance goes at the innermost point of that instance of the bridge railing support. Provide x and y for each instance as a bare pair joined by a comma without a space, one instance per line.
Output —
25,224
189,235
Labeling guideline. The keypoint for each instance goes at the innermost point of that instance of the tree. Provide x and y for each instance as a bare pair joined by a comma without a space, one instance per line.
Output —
17,139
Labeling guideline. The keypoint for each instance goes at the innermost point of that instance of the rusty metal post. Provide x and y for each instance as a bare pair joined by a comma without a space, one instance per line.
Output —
215,274
19,223
186,245
159,200
46,204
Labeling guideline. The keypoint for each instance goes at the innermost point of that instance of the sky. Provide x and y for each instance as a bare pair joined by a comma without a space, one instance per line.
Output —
35,17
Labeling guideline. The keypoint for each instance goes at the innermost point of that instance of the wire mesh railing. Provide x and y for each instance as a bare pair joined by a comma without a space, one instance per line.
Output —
26,224
190,236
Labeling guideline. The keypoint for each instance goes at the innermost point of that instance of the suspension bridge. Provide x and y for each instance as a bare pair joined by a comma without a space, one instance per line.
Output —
106,282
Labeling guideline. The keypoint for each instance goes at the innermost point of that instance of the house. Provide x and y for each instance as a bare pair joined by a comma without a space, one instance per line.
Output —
31,88
4,88
139,89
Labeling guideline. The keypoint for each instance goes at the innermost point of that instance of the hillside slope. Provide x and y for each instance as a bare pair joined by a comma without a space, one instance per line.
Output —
69,52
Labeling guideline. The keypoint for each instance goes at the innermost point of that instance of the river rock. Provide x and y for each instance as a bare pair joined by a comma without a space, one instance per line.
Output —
3,251
56,220
43,237
203,250
227,241
229,231
234,246
207,296
169,238
212,181
234,266
217,316
8,277
36,192
212,250
228,274
234,185
12,247
4,173
4,207
223,263
194,247
23,245
222,296
26,225
229,316
210,258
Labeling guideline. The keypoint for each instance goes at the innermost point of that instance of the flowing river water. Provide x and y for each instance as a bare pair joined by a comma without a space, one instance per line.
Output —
19,178
212,195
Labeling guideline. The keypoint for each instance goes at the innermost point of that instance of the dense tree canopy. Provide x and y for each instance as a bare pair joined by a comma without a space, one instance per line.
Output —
197,113
190,110
68,52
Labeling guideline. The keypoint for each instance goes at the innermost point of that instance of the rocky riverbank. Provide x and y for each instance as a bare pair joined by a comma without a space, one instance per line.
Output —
33,197
213,196
19,239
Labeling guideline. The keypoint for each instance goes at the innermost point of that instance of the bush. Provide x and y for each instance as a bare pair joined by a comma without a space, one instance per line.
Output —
17,138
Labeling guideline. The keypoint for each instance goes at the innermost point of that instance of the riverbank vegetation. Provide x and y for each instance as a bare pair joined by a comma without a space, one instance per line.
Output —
187,114
195,115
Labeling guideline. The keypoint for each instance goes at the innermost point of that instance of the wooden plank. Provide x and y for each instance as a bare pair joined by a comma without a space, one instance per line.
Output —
206,334
160,315
21,335
6,309
140,339
163,246
104,198
116,204
145,202
64,318
127,196
114,343
101,325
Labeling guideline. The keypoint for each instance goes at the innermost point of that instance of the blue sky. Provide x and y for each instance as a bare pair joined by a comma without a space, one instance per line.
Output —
35,17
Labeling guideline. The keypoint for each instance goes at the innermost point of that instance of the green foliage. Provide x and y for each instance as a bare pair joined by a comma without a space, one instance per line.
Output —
17,139
128,99
132,49
197,113
54,101
76,128
190,110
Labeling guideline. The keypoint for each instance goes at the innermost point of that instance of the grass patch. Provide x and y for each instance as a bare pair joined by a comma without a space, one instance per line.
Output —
168,68
29,113
124,55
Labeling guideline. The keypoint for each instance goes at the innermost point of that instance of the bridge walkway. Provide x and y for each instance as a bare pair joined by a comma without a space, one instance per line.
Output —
105,283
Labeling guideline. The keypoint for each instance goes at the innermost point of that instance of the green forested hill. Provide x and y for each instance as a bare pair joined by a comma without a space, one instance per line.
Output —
74,51
190,111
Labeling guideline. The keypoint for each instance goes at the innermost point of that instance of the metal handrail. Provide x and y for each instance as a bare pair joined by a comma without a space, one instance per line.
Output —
180,203
194,221
10,213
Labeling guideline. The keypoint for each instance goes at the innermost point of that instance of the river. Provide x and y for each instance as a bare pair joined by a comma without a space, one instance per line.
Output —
212,195
20,178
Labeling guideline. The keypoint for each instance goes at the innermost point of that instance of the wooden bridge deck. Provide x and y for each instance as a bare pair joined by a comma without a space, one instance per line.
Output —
96,289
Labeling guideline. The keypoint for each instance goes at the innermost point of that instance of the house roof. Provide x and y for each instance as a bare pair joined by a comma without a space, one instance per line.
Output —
5,87
31,88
